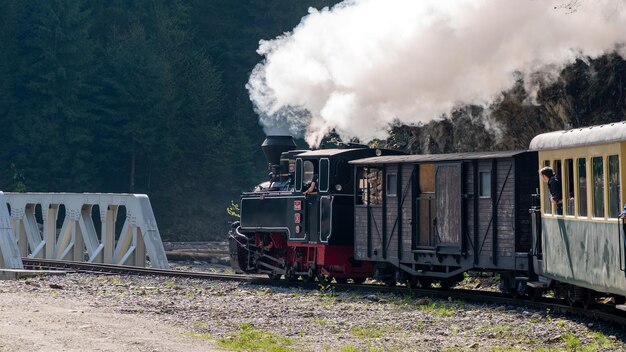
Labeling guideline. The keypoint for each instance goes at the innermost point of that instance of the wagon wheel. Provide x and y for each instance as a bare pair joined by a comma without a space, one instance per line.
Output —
589,299
341,280
576,295
358,280
412,283
447,283
535,293
425,282
391,282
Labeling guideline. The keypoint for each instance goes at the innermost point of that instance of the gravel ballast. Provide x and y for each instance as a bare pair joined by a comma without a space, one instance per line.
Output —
212,315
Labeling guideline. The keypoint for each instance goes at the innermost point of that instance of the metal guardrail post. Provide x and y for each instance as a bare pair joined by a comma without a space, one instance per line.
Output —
78,239
9,253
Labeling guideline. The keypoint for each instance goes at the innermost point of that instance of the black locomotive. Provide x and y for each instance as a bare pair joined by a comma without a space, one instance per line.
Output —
283,231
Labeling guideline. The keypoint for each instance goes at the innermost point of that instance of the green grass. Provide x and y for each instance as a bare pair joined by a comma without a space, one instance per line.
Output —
439,309
602,340
350,349
321,322
250,338
502,330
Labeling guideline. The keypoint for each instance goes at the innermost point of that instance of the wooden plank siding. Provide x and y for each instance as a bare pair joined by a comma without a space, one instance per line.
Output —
405,221
504,197
409,179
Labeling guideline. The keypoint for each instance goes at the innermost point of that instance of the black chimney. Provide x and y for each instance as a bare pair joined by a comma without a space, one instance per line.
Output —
273,146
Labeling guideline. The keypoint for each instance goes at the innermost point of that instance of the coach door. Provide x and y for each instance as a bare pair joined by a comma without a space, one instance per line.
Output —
448,199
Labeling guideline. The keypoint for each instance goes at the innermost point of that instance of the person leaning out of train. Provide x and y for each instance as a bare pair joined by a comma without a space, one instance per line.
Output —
623,214
554,185
312,186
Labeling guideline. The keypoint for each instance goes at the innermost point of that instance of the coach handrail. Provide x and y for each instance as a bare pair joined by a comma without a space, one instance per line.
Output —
620,244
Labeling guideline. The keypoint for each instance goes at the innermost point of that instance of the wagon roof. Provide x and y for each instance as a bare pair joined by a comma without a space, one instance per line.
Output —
396,159
602,134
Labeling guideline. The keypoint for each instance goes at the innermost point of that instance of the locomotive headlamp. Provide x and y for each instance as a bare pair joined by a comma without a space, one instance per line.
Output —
338,187
379,152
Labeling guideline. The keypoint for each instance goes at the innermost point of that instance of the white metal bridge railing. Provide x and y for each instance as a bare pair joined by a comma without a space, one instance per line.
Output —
77,238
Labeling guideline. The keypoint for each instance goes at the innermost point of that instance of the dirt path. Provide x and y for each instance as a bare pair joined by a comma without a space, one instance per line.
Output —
34,322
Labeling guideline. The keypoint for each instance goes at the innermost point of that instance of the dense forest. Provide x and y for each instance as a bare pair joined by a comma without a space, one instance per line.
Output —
149,97
137,96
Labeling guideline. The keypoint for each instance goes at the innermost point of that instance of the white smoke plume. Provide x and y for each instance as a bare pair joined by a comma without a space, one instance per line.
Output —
363,64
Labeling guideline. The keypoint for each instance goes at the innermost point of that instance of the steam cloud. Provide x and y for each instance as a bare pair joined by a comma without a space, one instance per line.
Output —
364,64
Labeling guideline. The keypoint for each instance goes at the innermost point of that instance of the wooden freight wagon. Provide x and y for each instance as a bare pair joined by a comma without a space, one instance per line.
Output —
433,217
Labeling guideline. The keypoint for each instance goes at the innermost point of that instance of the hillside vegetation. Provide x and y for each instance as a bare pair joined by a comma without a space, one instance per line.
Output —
149,97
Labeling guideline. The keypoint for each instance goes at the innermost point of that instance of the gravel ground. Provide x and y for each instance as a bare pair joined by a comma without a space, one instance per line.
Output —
210,315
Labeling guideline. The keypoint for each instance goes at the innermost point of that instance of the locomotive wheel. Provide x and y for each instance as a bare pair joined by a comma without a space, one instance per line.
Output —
291,276
358,280
323,279
274,276
310,277
341,280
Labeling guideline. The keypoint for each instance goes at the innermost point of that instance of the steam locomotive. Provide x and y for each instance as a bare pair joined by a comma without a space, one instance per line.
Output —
420,219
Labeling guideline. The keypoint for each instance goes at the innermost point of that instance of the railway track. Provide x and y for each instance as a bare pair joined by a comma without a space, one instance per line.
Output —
598,311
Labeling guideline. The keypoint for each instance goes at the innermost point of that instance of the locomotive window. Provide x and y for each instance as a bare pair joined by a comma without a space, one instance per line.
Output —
308,170
547,205
485,184
582,187
597,165
614,186
298,174
392,185
342,172
324,173
568,183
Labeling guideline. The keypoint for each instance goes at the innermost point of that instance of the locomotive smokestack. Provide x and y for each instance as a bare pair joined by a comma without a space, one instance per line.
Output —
273,146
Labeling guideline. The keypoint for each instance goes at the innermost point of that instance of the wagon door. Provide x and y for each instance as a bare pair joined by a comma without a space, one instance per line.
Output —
448,205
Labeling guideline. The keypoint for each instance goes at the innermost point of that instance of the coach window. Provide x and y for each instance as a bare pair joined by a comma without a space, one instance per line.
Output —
568,184
392,185
614,186
597,179
582,187
547,205
485,185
